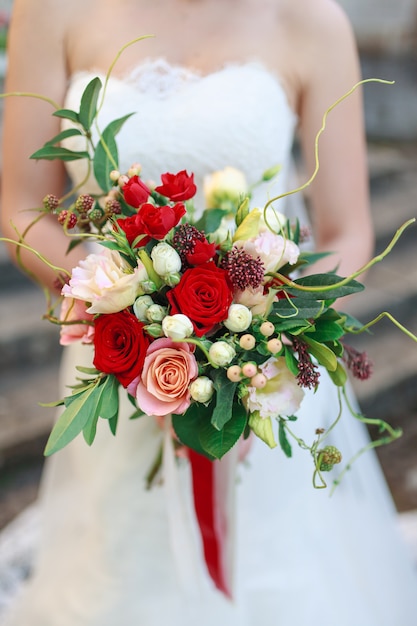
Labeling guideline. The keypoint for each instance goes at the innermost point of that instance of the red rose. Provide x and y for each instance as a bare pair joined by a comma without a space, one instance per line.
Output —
177,187
158,221
204,295
135,192
202,252
120,345
132,228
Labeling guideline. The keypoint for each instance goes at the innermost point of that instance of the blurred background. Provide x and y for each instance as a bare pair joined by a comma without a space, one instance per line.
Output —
386,32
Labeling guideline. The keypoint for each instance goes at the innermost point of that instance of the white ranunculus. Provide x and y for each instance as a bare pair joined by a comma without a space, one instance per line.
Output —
224,186
221,353
201,389
239,318
177,326
140,306
106,281
165,259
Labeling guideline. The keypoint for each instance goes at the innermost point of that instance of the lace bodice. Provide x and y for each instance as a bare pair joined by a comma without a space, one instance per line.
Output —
238,115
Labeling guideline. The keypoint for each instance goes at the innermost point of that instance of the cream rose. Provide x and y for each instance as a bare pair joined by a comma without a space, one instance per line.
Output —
106,281
168,370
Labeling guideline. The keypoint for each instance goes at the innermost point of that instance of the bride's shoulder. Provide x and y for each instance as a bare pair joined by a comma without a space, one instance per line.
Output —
313,19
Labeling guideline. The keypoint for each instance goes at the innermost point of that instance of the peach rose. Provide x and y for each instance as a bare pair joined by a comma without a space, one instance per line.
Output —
168,369
73,310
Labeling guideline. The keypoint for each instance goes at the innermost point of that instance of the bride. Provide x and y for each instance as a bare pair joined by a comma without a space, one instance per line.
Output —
221,83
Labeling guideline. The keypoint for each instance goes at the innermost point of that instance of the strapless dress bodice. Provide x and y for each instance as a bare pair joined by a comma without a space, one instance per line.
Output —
236,116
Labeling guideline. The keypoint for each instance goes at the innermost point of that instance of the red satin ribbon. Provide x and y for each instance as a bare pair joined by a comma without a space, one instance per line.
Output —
211,518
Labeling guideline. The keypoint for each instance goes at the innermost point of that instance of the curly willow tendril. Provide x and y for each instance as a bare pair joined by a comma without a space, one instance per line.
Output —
383,427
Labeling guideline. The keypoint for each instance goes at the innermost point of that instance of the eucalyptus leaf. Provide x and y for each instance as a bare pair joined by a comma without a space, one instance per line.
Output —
283,439
73,419
325,280
112,422
88,105
67,114
50,153
109,401
70,132
106,156
90,429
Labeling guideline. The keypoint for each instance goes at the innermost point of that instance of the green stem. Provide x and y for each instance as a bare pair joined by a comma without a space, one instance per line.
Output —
356,331
28,94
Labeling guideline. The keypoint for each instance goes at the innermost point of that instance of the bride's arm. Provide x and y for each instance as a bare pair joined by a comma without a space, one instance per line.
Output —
339,196
36,63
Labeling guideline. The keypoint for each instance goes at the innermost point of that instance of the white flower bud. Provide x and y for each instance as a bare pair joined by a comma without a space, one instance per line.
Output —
165,259
177,326
221,353
201,389
140,306
239,318
156,313
225,186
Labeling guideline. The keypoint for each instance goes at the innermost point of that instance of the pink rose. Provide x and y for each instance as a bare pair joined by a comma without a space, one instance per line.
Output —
168,369
73,310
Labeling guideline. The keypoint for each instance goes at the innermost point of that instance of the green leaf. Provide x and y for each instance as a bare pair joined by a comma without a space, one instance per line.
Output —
290,360
262,427
112,422
339,376
325,280
57,152
90,429
67,114
326,331
217,442
103,163
110,398
70,132
210,220
283,439
324,355
295,308
225,393
88,105
73,419
187,426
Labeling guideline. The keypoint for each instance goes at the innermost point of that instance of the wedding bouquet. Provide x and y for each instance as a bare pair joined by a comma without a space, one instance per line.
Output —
210,320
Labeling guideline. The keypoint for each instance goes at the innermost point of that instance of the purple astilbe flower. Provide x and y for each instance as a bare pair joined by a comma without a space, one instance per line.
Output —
308,374
358,362
243,269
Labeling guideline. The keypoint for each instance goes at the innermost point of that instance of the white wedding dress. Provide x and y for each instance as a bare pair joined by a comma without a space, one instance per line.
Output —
107,555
